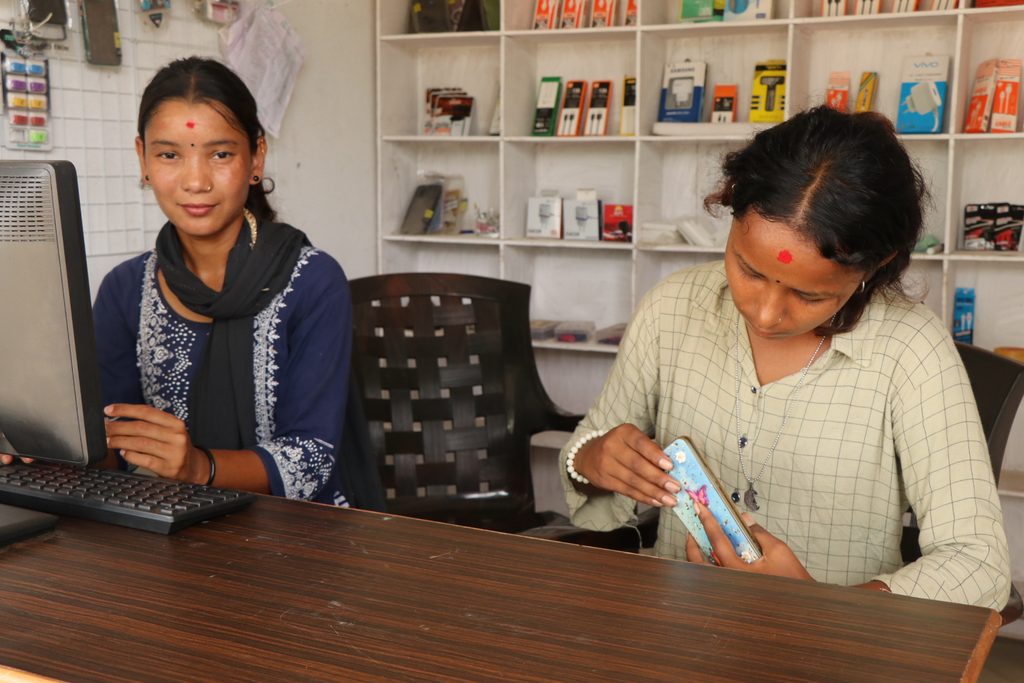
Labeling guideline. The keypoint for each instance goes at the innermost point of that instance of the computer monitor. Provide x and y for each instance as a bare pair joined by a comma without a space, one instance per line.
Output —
50,399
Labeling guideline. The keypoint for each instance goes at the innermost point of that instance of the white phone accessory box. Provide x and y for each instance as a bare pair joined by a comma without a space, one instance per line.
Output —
922,100
544,217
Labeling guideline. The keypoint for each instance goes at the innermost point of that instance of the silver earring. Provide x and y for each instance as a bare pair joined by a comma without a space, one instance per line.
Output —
861,286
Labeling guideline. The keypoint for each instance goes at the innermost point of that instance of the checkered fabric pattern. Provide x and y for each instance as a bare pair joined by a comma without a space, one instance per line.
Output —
885,417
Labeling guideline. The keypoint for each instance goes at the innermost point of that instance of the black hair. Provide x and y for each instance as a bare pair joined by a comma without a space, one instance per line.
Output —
207,81
843,180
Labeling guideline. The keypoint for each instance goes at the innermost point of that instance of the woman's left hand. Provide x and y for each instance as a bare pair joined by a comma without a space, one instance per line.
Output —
148,437
776,557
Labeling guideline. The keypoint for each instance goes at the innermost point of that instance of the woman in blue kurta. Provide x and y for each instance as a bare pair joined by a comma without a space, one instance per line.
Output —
224,351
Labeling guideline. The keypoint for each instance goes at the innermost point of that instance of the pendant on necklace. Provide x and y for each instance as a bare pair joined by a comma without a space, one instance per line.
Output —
735,496
750,498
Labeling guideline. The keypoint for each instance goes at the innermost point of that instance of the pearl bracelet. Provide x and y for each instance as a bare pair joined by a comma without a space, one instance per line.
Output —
570,457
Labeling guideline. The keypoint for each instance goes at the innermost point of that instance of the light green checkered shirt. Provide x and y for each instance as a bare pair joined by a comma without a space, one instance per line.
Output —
885,417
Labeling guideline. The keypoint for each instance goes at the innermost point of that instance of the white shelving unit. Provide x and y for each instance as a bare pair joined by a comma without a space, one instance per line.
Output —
668,177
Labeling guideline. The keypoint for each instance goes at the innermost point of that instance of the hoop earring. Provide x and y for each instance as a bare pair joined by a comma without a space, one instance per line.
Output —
862,286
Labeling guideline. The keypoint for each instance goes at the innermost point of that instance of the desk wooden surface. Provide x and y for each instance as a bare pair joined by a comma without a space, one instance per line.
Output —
291,591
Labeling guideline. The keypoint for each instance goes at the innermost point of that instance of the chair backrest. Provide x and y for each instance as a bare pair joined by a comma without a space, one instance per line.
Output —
998,385
450,387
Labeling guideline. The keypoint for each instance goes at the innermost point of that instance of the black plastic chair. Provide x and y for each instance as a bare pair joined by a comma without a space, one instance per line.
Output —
451,393
998,386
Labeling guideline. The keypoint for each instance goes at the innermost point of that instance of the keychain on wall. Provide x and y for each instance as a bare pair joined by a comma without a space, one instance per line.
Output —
156,11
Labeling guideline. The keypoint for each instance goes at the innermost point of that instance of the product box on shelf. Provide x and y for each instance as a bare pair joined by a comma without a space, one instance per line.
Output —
542,330
574,331
570,119
682,92
723,103
544,216
861,7
866,91
963,315
979,107
922,100
572,13
602,14
1007,92
545,14
627,121
581,219
546,115
979,225
631,17
768,94
833,8
904,6
747,10
618,223
702,10
598,109
838,94
1007,232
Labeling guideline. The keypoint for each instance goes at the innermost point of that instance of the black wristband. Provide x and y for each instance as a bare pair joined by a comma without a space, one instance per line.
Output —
213,464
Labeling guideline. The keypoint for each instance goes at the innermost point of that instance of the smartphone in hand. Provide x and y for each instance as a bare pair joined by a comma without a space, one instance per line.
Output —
699,484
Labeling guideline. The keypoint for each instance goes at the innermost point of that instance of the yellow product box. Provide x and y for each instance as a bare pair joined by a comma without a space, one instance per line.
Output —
768,94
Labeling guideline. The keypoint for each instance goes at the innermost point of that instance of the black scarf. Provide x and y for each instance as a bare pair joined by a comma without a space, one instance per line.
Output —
222,406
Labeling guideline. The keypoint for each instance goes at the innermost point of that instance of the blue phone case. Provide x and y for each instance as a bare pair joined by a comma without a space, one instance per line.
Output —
689,469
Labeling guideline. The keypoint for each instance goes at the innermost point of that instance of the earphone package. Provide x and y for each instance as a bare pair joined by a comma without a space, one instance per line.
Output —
922,100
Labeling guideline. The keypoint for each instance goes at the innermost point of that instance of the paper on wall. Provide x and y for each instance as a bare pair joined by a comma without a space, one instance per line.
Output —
267,54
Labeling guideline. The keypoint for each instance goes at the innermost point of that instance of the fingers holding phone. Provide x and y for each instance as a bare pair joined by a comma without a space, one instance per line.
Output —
626,461
777,559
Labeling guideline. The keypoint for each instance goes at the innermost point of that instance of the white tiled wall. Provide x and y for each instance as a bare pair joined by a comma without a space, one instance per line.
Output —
93,120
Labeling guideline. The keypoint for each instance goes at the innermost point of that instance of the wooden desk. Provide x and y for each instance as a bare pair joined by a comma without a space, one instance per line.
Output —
292,591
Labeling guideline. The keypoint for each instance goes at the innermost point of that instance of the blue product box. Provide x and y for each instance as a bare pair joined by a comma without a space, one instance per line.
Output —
682,92
963,315
922,101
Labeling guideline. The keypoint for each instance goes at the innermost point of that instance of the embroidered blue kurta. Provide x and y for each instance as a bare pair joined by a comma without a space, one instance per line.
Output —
301,347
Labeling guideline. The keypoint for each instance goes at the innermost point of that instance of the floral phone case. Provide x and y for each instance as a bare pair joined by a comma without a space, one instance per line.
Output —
690,470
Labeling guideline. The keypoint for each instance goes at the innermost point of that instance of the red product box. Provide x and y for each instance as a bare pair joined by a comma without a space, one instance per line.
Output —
617,225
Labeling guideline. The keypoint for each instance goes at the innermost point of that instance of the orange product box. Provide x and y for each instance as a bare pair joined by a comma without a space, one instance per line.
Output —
603,13
545,15
572,13
1006,96
979,107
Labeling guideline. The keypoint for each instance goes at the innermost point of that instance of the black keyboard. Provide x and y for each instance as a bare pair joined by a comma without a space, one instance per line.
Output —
116,497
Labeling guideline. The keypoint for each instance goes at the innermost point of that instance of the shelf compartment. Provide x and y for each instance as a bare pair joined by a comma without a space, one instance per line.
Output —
530,168
408,68
821,47
402,162
574,284
572,380
673,180
654,266
999,299
729,53
984,173
527,61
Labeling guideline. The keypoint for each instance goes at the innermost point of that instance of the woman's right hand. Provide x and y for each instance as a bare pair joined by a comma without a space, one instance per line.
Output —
626,461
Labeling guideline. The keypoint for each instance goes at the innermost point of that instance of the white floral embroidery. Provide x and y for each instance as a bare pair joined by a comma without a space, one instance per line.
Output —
304,464
162,349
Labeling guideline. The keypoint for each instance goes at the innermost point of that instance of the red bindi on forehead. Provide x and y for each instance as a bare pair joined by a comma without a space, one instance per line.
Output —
785,257
190,124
